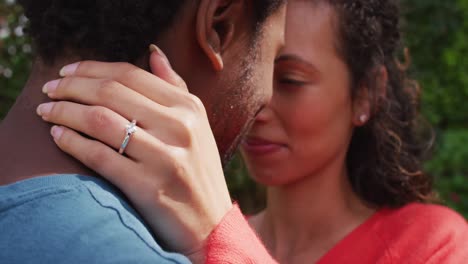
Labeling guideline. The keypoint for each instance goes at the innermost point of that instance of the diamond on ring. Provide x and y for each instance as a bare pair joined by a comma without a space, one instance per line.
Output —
130,129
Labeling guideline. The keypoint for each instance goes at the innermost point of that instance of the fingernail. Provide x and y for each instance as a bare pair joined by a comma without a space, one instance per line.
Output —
154,48
56,132
51,86
44,109
69,69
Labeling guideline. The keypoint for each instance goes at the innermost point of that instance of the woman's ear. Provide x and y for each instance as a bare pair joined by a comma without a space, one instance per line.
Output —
216,24
368,101
361,107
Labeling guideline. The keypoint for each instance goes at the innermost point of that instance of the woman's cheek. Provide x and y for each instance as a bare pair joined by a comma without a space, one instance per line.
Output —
317,132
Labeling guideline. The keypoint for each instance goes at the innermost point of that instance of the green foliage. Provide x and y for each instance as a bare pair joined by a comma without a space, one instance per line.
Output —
250,196
436,33
450,168
15,54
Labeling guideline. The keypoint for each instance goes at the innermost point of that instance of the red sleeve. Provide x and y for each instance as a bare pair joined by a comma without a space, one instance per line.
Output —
233,241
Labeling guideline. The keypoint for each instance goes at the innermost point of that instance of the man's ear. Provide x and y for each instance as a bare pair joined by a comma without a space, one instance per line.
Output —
216,24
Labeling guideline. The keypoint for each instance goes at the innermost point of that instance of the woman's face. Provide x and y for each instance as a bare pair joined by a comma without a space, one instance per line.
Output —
307,126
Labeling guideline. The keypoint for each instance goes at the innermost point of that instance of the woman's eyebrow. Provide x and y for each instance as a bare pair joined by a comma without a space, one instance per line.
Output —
296,59
292,57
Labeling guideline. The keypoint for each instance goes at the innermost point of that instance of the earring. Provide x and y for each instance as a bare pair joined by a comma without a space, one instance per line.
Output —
363,118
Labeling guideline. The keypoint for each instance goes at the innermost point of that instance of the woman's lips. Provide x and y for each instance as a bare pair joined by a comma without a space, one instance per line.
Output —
257,146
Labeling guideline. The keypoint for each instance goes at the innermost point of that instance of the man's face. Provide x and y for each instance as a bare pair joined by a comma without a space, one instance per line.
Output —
248,88
232,97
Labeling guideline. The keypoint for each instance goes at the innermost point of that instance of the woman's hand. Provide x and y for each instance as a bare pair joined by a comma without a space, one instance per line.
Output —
171,171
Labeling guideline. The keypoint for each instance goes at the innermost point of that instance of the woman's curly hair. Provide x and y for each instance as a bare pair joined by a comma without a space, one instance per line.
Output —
384,159
110,30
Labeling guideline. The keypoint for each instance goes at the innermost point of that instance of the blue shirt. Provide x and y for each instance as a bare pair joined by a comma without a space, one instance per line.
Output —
73,219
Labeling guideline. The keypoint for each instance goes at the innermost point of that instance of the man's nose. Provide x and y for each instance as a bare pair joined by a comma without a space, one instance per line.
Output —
265,114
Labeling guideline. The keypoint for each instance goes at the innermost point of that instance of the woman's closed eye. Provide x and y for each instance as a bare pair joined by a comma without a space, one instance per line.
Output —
292,81
293,71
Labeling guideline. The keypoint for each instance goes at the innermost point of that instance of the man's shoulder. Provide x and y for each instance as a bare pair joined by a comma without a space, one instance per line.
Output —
74,219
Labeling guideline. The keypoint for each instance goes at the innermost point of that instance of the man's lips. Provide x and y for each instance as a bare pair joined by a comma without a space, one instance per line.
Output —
258,146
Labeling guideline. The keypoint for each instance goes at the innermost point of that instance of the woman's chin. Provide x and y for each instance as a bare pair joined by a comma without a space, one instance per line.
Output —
267,176
265,155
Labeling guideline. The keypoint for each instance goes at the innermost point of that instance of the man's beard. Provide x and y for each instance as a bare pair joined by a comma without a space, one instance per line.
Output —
229,153
235,114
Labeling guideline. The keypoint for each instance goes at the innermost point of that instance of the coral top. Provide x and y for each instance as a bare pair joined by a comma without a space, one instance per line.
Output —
415,233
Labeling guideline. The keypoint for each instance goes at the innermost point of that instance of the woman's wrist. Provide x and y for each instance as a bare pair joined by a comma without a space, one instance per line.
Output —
234,241
198,255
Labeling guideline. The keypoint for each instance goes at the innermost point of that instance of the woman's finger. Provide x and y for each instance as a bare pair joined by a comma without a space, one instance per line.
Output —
92,153
97,156
153,87
110,94
139,80
99,123
161,67
100,70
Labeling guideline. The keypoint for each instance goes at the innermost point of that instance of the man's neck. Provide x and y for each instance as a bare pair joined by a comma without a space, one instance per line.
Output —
27,149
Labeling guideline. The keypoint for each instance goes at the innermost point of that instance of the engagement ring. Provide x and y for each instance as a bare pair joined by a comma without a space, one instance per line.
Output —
130,129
